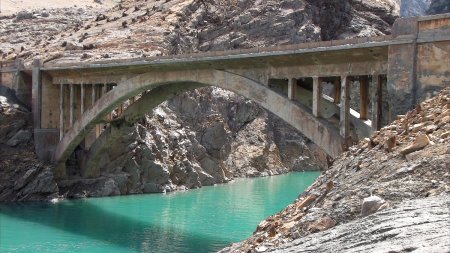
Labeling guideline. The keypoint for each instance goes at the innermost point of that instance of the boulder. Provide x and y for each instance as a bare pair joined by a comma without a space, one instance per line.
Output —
420,142
22,15
371,205
21,137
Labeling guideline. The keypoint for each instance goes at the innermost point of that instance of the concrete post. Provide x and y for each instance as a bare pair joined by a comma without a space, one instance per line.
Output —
61,111
36,95
376,102
103,89
317,94
93,95
72,105
292,88
345,107
82,98
337,91
364,97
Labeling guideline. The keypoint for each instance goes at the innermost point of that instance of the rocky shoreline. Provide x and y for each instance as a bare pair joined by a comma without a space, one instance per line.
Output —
404,166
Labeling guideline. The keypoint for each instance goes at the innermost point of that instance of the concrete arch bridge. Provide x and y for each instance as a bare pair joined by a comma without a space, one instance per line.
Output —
308,85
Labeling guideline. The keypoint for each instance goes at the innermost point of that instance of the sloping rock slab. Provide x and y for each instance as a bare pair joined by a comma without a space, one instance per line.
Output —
419,225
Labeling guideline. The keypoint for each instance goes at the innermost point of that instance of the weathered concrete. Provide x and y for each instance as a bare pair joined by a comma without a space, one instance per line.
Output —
422,66
317,130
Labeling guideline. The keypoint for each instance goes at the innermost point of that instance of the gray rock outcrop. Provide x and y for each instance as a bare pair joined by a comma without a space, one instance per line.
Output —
419,225
438,7
412,8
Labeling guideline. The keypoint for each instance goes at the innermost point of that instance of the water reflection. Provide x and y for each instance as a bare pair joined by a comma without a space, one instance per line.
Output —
202,220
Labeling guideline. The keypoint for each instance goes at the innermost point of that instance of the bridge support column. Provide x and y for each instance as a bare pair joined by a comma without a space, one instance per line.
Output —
317,94
376,102
364,97
345,107
93,95
36,93
337,91
71,105
292,88
61,111
82,98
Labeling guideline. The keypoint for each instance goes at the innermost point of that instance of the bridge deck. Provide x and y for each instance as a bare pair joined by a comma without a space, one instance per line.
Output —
326,52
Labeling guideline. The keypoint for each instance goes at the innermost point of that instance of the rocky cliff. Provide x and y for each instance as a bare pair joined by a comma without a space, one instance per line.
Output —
22,176
402,171
206,136
412,8
438,7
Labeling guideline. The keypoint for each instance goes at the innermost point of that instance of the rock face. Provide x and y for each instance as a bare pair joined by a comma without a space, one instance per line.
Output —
388,231
373,180
14,119
411,8
22,176
203,137
151,28
439,7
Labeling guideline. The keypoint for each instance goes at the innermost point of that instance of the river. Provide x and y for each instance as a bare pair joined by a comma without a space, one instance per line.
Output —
201,220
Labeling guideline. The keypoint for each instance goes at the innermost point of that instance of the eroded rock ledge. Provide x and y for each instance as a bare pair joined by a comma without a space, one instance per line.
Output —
419,225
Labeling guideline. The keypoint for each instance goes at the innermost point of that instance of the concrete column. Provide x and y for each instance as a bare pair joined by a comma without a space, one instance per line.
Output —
71,104
345,107
376,102
82,98
317,94
292,88
364,97
337,91
61,111
93,95
104,89
36,95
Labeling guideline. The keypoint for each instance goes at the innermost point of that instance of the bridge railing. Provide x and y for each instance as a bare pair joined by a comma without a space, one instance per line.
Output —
291,47
248,51
9,66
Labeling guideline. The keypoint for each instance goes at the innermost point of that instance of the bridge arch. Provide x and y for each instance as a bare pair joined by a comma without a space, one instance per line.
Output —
317,130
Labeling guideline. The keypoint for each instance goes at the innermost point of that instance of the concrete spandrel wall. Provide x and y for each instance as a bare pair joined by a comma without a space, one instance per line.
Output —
433,58
433,68
50,105
401,78
419,69
7,79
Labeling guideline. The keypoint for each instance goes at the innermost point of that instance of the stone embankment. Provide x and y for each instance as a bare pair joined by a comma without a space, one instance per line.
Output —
393,186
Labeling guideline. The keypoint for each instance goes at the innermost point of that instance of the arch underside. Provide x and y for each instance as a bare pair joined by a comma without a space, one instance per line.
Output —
164,85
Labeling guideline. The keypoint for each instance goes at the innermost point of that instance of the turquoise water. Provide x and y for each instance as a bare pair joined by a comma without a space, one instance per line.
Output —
202,220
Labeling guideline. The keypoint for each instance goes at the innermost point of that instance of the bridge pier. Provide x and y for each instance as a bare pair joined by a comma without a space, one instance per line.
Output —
317,95
364,97
61,111
292,88
344,122
337,90
376,101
